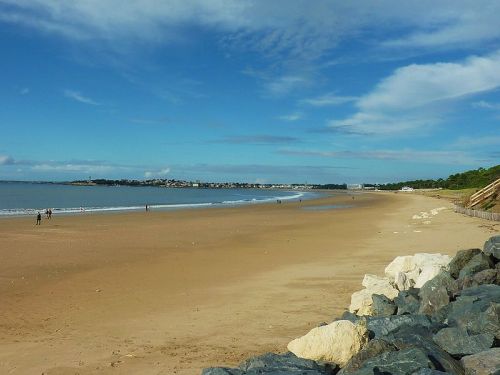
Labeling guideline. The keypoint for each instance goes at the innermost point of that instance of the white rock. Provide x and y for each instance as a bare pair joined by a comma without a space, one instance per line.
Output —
336,342
361,301
413,271
428,273
399,264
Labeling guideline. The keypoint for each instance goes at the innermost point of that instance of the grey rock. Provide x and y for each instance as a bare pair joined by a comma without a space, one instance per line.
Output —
284,364
457,342
381,326
484,363
488,276
372,349
420,337
401,362
477,263
347,315
382,306
436,293
428,371
221,371
460,260
476,309
441,316
275,364
407,302
492,247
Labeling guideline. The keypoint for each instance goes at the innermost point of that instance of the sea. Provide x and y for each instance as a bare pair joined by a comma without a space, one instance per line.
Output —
19,198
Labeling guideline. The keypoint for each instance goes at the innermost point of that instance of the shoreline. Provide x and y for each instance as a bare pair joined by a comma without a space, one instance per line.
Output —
176,291
295,195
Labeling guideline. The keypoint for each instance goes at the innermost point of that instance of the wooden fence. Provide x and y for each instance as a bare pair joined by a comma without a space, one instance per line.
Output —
478,213
484,193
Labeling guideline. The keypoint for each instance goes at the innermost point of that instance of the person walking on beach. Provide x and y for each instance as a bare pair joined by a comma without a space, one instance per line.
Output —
50,213
39,218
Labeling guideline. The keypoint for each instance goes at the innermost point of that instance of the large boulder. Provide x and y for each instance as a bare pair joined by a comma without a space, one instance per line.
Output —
361,301
373,349
402,362
488,276
484,363
477,263
458,342
436,293
382,306
336,342
407,302
421,337
414,271
378,327
461,258
477,310
492,247
288,363
275,364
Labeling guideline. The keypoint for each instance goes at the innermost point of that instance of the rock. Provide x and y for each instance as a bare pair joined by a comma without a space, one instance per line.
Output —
401,362
458,342
421,337
460,260
427,273
414,271
477,263
492,247
374,348
347,315
336,342
407,302
488,276
221,371
436,293
477,309
484,363
275,364
428,371
381,326
361,301
285,363
382,306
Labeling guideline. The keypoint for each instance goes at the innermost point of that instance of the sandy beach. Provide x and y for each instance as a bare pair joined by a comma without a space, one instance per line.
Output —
173,292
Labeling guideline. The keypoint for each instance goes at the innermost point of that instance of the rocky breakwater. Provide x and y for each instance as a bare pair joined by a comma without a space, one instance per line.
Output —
429,314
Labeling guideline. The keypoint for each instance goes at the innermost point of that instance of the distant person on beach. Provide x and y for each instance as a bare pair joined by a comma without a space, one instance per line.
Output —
47,213
147,208
39,218
50,213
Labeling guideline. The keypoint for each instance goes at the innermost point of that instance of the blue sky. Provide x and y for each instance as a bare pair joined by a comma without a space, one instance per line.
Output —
254,91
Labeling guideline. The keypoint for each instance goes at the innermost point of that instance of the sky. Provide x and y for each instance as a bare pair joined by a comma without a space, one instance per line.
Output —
266,91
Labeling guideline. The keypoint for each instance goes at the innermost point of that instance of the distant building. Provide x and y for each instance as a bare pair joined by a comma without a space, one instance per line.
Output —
407,188
354,186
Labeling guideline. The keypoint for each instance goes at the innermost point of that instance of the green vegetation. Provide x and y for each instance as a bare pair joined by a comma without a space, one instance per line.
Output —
477,178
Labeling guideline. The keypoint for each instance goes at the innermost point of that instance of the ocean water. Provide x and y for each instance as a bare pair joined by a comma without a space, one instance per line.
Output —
28,198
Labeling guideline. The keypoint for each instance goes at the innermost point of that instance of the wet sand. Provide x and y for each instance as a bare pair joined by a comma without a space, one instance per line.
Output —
173,292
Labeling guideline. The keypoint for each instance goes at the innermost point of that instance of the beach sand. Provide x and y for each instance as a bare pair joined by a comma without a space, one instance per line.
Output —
173,292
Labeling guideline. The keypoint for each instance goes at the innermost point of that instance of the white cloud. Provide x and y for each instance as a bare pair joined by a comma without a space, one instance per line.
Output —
474,142
431,156
329,99
159,173
295,116
24,91
486,105
75,95
297,29
6,160
285,84
416,96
